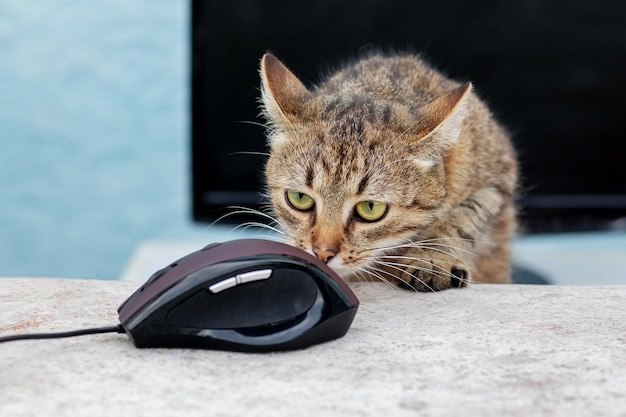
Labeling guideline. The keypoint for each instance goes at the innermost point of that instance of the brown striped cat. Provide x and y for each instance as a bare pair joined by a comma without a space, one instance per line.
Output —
389,170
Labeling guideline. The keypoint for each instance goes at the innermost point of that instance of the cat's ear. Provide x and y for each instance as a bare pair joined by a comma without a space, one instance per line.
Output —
445,115
282,93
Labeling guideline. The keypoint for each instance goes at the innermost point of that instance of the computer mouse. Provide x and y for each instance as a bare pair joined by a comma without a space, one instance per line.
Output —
250,295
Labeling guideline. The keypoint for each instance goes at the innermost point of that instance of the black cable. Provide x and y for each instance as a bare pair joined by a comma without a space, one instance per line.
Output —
82,332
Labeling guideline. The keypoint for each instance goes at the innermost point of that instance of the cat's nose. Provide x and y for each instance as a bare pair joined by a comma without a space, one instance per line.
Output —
325,254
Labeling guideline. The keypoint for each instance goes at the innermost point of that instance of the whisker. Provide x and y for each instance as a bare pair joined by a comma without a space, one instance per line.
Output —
372,276
452,255
377,273
248,210
364,276
274,225
380,273
441,241
411,243
394,266
399,266
250,122
248,225
442,272
249,153
437,248
271,237
425,260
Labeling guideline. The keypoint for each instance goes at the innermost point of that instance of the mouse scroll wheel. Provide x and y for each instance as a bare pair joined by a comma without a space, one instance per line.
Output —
238,279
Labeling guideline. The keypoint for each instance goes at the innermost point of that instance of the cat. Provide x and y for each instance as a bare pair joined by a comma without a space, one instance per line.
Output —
390,170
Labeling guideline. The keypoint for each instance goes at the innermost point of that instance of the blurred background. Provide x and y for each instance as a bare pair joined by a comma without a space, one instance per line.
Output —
94,133
96,120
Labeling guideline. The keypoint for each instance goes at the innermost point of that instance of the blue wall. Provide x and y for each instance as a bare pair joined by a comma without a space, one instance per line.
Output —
94,121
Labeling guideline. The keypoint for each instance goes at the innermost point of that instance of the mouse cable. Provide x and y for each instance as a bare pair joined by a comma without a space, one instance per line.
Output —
58,335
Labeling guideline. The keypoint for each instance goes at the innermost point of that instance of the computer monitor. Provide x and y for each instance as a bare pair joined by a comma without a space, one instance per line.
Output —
554,75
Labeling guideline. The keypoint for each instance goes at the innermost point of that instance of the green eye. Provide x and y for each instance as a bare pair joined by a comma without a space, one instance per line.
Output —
370,211
300,201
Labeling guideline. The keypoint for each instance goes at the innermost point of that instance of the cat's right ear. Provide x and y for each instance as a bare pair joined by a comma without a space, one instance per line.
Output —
444,116
282,93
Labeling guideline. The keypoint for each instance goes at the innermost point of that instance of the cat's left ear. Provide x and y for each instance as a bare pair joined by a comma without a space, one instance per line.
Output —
282,93
444,116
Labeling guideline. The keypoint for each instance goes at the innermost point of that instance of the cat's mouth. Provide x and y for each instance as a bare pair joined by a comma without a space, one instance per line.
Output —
337,264
345,271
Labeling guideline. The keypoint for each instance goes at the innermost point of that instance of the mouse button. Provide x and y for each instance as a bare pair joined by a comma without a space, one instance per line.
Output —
158,274
285,296
223,285
176,282
244,278
211,245
294,283
338,292
251,276
174,270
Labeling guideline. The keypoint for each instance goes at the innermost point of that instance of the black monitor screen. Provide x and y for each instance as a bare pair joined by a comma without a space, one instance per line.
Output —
552,72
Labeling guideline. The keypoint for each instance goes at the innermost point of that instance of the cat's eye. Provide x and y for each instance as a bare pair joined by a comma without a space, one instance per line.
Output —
370,211
300,201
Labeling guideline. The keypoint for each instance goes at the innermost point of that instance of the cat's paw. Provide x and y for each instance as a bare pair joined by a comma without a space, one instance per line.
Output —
417,279
431,273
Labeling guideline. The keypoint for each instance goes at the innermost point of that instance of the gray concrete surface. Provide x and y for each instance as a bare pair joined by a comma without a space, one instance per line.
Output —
481,351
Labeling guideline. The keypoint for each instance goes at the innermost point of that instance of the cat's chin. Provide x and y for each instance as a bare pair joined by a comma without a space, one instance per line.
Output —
345,272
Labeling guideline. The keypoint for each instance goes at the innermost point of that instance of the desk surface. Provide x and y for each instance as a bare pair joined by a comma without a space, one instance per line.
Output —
486,350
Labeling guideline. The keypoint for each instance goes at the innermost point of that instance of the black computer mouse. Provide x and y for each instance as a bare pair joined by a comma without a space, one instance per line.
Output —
250,295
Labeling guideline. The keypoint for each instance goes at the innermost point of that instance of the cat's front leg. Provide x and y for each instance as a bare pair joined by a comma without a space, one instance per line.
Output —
429,269
473,238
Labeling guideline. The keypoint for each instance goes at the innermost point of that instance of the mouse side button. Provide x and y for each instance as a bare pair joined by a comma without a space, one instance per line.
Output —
251,276
223,285
238,279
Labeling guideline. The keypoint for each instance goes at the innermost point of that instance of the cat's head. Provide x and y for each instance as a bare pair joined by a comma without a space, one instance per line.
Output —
351,176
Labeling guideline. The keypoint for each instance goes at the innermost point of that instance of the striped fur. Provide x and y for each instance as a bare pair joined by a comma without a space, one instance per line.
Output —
394,130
